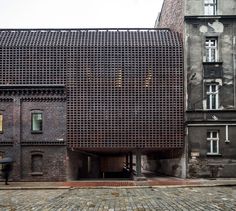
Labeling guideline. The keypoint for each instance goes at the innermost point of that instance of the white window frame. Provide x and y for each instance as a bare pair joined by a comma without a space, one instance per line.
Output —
210,7
211,49
213,140
212,96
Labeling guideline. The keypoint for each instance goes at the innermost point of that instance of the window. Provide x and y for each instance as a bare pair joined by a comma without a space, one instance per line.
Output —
1,123
211,49
37,163
213,142
37,122
212,96
1,157
210,7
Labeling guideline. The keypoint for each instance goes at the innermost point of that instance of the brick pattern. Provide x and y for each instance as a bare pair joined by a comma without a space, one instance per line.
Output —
125,87
172,15
54,163
17,140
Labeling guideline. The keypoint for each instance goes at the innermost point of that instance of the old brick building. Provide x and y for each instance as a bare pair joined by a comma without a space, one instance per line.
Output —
91,103
208,28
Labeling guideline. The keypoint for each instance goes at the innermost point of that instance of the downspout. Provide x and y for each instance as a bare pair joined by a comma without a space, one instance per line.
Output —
227,134
234,67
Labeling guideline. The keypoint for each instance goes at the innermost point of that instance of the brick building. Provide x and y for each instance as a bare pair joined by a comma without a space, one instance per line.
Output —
91,103
208,28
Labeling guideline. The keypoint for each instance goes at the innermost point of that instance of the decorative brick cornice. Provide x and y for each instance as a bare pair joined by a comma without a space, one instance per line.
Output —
6,143
44,143
34,92
6,99
43,99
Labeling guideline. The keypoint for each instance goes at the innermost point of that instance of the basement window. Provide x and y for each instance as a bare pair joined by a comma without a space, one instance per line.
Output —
212,142
210,7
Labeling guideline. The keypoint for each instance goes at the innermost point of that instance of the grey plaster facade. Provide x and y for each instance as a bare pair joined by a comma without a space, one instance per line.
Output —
209,84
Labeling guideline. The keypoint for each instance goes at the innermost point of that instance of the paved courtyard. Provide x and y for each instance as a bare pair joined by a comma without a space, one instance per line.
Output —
112,199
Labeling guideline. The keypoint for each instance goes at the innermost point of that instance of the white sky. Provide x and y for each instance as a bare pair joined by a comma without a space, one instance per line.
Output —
79,13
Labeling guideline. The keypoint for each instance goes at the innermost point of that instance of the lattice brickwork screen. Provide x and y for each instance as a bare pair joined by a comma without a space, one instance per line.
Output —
125,87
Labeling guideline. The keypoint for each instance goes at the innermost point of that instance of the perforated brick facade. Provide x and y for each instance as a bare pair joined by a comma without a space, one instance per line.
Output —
100,90
124,87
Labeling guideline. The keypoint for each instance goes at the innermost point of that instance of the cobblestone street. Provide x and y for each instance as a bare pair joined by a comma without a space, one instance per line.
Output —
112,199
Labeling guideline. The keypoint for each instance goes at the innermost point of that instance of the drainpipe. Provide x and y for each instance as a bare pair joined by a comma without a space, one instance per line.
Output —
227,134
234,68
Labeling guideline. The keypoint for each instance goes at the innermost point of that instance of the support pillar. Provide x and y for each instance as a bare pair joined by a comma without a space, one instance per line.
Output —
127,161
138,164
131,163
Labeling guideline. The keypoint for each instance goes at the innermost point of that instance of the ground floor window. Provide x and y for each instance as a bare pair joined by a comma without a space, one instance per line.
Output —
37,163
213,142
1,157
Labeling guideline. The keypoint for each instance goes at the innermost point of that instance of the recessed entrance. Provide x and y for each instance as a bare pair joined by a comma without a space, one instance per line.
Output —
99,166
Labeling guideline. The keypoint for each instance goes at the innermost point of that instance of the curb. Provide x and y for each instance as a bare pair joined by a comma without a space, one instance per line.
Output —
118,187
35,188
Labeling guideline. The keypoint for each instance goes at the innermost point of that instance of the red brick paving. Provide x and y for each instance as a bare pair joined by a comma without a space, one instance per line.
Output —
99,183
117,183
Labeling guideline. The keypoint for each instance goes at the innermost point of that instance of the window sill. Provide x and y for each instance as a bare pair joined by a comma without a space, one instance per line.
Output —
214,155
37,173
36,132
212,63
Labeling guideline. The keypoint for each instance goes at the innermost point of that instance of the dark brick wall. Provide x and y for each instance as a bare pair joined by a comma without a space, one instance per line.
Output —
54,163
6,109
172,15
54,121
18,142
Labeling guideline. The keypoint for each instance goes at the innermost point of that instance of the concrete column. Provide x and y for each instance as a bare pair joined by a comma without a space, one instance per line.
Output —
138,164
127,161
131,163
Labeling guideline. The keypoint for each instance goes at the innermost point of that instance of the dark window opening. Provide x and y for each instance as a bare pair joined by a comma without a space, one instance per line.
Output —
37,163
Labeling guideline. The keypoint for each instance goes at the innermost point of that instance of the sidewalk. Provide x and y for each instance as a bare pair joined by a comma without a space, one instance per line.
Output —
151,182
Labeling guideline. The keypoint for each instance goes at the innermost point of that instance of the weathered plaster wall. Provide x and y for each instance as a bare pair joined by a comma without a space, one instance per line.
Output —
194,48
203,165
196,7
165,166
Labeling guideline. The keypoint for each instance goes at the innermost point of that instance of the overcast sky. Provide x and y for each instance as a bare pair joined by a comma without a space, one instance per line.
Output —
78,13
